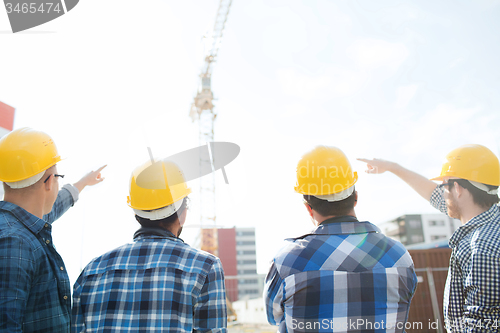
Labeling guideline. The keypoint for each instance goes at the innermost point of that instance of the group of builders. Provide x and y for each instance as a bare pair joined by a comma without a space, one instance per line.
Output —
344,276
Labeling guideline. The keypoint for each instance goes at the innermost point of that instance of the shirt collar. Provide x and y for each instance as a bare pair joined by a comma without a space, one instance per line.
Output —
474,223
30,221
342,225
154,232
343,218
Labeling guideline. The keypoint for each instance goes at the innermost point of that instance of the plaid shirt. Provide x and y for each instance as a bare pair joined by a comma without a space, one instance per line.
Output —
156,284
34,286
472,292
345,276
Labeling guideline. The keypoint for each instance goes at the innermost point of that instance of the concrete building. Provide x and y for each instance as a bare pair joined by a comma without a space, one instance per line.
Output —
251,311
237,251
420,228
249,285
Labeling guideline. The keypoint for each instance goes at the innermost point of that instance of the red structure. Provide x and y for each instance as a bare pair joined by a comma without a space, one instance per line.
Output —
237,251
6,116
227,254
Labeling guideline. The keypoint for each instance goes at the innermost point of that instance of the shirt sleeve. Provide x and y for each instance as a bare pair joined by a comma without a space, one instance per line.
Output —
437,200
482,289
273,296
17,267
77,322
66,198
210,313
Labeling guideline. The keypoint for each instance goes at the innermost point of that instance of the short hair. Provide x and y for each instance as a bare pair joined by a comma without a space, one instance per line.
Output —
480,198
334,208
165,222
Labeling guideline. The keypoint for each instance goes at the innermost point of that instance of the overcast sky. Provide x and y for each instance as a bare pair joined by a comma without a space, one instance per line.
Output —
400,80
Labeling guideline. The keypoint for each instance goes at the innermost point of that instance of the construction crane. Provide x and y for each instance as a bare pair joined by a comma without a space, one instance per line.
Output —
202,111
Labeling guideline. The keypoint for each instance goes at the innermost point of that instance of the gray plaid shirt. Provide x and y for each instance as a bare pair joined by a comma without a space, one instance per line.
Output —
472,292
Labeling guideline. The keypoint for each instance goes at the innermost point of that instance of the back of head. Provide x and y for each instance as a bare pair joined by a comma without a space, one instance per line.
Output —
25,154
326,179
157,190
475,168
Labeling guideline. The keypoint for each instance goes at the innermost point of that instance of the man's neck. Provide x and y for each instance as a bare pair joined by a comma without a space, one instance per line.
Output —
320,218
173,228
27,202
470,212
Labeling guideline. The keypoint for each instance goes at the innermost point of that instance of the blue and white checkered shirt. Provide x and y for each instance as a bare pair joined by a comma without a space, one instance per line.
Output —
34,286
156,284
472,293
345,276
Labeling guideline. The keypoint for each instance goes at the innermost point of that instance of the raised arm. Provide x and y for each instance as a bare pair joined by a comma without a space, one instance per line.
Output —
66,198
68,195
419,183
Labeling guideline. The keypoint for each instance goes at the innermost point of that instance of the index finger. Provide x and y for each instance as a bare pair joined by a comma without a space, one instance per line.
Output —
364,160
99,170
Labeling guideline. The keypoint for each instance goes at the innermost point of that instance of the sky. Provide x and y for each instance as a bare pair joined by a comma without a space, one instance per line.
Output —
405,80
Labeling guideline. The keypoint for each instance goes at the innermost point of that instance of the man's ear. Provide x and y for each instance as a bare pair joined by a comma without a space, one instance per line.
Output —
49,183
182,217
355,198
309,209
459,190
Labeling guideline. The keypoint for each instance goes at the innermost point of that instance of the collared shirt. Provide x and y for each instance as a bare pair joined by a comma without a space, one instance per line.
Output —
34,286
345,276
472,292
156,284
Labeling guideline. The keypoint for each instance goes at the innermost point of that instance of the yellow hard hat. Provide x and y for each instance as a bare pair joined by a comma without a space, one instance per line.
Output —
24,153
472,162
156,185
324,171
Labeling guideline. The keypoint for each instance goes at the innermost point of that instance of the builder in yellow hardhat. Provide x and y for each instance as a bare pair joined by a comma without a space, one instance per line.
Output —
470,178
344,275
34,285
157,283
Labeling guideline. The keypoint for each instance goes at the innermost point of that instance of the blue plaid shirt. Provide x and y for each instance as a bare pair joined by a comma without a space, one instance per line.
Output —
472,292
156,284
345,276
34,286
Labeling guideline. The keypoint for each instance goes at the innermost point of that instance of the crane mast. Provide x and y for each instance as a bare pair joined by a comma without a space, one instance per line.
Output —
202,111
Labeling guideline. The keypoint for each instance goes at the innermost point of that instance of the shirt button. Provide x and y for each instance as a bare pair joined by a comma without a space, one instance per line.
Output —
46,225
65,297
47,241
61,268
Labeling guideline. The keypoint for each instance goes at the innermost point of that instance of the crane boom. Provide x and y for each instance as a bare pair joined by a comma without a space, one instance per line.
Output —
220,22
202,111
